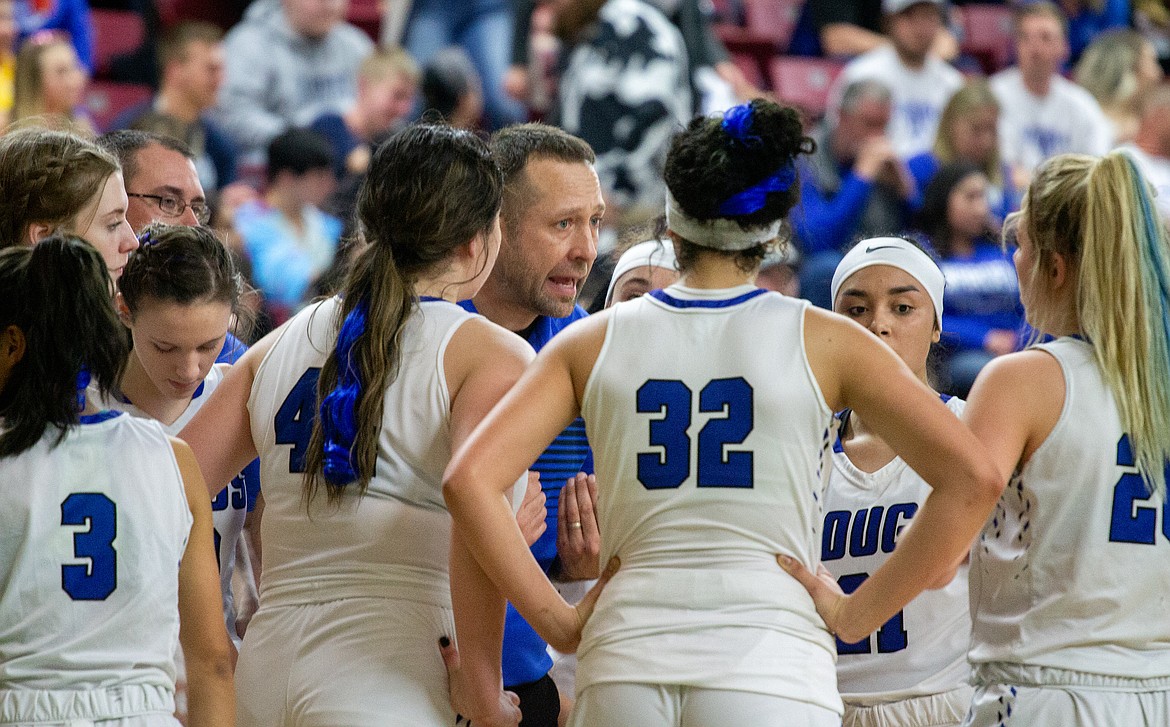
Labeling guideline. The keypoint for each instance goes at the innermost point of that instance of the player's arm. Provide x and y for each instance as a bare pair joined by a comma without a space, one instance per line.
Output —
511,437
855,370
220,433
207,650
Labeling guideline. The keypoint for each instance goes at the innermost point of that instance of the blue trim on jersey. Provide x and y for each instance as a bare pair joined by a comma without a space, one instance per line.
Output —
198,390
673,302
101,416
429,299
233,349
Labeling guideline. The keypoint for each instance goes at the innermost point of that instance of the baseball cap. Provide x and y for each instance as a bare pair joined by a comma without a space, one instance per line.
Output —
893,7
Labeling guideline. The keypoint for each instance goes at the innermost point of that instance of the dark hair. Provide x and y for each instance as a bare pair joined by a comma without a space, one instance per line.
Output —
183,265
707,165
514,146
47,177
932,218
447,77
430,189
58,294
125,144
177,39
298,151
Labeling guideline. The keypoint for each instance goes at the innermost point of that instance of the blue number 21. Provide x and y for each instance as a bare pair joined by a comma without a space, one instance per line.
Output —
97,580
717,468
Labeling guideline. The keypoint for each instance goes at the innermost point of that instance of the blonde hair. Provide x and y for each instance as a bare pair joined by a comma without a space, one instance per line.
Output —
383,63
1108,68
1099,215
28,99
975,94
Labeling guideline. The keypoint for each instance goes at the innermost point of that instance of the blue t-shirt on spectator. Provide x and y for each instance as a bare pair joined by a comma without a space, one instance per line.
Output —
982,295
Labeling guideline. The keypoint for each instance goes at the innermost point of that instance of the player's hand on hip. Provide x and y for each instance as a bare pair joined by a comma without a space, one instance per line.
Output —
501,709
570,621
826,594
578,538
532,515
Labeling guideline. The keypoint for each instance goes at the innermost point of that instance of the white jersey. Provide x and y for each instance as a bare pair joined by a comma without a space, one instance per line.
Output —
1156,170
1072,570
923,649
228,510
918,95
1034,128
93,532
393,542
711,443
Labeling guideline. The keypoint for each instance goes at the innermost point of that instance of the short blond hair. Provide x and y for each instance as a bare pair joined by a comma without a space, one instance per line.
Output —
383,63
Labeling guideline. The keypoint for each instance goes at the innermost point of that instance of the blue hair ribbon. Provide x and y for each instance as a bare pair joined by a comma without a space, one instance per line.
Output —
753,198
338,408
146,239
737,122
82,384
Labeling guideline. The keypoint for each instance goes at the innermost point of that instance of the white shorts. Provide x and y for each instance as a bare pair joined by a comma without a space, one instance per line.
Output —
135,705
945,709
617,704
1044,696
359,662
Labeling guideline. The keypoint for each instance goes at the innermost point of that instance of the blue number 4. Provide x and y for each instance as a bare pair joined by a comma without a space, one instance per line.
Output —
1130,523
891,636
97,580
293,423
717,468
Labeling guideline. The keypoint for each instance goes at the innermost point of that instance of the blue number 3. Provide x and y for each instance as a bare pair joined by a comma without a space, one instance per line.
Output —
97,580
717,468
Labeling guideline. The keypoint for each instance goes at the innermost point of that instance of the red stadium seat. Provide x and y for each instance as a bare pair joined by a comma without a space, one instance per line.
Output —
987,34
773,19
804,82
367,15
105,100
750,67
115,32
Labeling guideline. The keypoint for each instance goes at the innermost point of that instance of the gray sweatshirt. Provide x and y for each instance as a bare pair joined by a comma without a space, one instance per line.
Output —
277,78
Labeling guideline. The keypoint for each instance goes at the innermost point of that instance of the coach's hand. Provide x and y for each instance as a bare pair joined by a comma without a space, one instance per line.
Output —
578,539
473,709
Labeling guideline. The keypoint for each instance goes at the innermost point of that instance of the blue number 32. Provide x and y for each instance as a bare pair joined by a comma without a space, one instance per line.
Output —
97,580
717,467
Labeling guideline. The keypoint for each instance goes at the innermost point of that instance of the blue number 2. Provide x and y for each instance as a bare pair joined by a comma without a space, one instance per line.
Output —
97,580
293,423
717,468
1130,523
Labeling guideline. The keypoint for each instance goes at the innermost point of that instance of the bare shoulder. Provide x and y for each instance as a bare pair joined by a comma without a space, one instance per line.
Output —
480,336
1033,374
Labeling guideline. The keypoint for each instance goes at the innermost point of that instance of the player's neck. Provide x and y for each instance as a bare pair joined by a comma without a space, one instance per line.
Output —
867,451
141,391
714,272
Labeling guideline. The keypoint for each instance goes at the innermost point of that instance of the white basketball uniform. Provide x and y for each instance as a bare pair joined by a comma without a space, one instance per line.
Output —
228,509
711,443
921,651
93,532
1070,577
353,597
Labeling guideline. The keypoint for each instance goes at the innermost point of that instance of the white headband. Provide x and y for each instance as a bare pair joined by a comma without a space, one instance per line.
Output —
720,233
897,253
651,253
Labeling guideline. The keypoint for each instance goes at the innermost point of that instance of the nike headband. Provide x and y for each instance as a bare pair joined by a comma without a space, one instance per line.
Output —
649,254
897,253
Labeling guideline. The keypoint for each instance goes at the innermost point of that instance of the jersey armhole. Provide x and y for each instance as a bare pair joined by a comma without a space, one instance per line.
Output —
812,378
1064,406
591,383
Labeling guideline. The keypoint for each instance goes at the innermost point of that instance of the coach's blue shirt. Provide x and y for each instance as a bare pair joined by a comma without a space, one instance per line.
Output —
526,657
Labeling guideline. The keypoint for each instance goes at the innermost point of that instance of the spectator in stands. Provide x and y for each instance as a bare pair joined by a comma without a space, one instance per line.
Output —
452,88
387,84
853,186
50,83
920,82
7,59
1118,68
288,239
625,90
71,17
484,29
983,316
851,27
288,62
1089,18
969,132
1151,145
191,63
1151,18
1041,112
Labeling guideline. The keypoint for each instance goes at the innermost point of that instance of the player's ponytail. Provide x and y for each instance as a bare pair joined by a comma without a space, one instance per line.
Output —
58,295
430,190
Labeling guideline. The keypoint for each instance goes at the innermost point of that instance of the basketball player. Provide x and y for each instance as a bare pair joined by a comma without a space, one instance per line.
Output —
1072,565
913,672
711,402
354,591
106,542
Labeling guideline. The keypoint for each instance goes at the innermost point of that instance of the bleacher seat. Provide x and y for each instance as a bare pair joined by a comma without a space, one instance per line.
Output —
804,82
105,100
987,34
773,19
115,33
751,69
366,15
